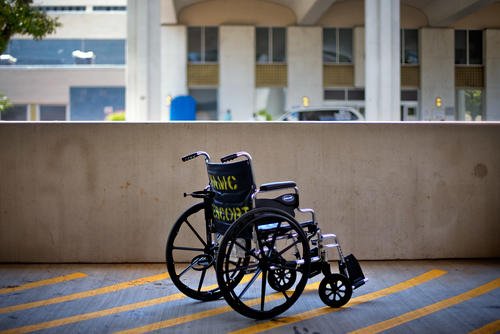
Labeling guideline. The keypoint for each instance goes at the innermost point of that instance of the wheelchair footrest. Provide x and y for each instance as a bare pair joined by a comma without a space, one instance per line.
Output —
354,271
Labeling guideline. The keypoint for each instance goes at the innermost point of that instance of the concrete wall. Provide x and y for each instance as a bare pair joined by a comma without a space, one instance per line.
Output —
437,72
173,65
73,192
492,80
237,72
305,66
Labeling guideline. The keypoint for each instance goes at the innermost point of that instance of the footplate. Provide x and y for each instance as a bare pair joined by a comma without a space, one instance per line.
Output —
354,271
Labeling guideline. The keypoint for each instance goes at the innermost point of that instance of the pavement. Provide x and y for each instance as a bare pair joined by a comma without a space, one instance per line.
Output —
432,296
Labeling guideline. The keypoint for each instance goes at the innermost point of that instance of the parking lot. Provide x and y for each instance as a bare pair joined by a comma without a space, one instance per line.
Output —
400,297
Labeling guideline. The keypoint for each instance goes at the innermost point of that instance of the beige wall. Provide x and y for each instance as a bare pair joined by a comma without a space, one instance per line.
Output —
110,192
51,85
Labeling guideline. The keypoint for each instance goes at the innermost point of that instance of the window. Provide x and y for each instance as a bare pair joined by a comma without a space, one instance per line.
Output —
64,51
270,45
52,113
468,47
409,46
203,44
470,104
344,94
109,8
61,8
206,103
337,45
17,112
409,95
95,103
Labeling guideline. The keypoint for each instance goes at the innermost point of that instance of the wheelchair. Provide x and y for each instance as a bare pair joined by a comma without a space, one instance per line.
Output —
244,243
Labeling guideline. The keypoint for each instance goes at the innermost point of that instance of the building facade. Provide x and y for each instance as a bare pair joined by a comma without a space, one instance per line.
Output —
75,74
392,60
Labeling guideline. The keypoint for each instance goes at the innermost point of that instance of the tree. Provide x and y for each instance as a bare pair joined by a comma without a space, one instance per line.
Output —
19,17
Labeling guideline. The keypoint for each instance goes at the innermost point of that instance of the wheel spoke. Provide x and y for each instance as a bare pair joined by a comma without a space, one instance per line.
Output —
263,293
247,251
188,268
202,278
192,249
249,284
285,294
196,233
288,247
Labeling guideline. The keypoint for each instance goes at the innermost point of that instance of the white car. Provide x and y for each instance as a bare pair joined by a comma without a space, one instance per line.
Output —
334,114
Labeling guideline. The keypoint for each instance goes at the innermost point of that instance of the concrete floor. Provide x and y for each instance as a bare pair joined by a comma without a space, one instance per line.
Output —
400,297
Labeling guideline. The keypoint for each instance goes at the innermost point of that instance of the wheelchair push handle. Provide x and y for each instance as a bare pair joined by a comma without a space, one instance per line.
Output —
195,155
235,155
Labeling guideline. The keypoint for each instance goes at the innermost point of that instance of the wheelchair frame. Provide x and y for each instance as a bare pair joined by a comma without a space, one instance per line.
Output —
265,243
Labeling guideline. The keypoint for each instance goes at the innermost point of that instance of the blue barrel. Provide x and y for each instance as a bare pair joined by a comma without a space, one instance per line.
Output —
183,108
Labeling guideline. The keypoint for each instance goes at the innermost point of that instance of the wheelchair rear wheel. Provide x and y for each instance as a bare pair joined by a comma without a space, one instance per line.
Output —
278,249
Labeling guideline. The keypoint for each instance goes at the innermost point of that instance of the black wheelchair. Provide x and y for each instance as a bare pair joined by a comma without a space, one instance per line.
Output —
251,250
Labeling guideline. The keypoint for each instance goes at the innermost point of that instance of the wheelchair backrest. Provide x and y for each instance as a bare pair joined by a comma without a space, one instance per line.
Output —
233,185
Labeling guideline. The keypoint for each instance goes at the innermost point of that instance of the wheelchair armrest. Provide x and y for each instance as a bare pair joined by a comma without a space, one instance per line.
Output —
277,185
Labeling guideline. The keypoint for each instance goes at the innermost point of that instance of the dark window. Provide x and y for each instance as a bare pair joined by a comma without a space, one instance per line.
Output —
211,44
109,8
15,113
409,46
460,47
270,45
475,47
329,45
203,44
262,45
194,44
61,8
279,45
52,113
345,45
468,47
409,95
95,103
337,45
356,94
334,94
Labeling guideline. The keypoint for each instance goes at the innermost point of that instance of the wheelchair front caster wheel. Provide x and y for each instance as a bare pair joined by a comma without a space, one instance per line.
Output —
335,290
281,279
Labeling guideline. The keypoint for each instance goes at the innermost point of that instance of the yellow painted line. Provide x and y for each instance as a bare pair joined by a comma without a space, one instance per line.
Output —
279,322
421,312
103,313
44,282
491,328
84,294
205,314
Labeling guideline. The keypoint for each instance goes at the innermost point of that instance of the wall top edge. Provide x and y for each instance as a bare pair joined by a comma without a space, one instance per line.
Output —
270,123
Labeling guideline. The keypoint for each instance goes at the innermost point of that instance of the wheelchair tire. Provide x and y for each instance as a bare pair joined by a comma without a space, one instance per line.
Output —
277,243
335,290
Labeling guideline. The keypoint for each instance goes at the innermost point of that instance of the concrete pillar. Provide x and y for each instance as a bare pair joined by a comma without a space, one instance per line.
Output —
437,72
143,98
492,69
383,82
305,66
359,57
173,66
237,71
